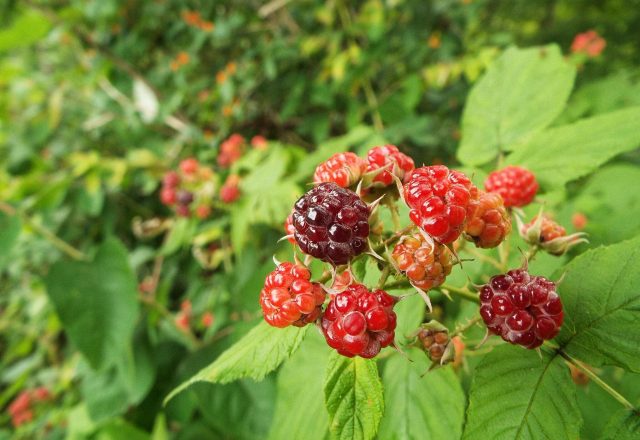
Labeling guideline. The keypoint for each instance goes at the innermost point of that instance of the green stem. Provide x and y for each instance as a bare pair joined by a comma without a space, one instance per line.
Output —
463,328
462,292
395,215
532,252
384,275
596,379
56,241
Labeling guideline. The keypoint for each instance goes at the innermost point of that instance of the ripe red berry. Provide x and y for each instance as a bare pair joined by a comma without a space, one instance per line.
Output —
230,190
440,201
522,309
399,164
189,166
171,179
490,223
259,142
289,298
425,263
203,211
516,185
231,150
343,169
359,322
331,224
168,196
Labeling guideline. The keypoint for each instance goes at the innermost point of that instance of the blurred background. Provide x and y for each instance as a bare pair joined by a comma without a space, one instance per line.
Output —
166,140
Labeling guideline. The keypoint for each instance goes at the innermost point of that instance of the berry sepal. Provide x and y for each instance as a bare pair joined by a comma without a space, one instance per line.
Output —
434,339
549,235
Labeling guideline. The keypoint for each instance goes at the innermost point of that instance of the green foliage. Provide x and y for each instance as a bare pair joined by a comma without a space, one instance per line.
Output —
353,396
625,425
541,405
602,304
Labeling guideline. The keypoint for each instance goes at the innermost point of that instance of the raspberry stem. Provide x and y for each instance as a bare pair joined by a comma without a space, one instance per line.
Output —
464,327
462,292
601,383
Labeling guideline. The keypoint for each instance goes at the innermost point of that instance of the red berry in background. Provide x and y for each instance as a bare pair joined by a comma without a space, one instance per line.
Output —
231,150
589,43
290,298
343,169
359,322
203,211
331,224
230,190
289,229
168,196
41,394
184,197
425,263
171,179
440,201
207,320
549,229
189,166
579,221
183,211
259,142
490,223
21,403
521,308
399,164
516,185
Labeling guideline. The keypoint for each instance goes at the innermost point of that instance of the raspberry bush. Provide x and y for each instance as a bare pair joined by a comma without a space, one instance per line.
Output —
319,220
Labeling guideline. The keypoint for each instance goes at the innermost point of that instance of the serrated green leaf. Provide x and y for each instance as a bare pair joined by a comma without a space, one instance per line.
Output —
257,354
602,306
431,405
522,92
562,154
96,302
410,312
625,425
304,371
518,394
353,397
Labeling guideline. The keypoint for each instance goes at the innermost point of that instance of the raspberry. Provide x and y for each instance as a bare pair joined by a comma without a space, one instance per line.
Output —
168,196
439,199
259,142
358,322
171,179
579,221
516,185
203,211
425,263
343,169
230,150
521,308
230,191
289,298
189,166
549,229
385,155
490,223
184,197
331,223
549,235
434,342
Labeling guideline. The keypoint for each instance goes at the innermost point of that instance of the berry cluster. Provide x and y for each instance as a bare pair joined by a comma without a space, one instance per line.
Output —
516,185
231,150
520,308
189,190
359,322
434,341
289,298
343,169
542,231
490,223
230,190
331,223
391,162
440,200
426,263
21,409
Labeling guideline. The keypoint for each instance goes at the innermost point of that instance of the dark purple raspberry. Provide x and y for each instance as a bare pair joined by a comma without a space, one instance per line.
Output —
520,308
331,223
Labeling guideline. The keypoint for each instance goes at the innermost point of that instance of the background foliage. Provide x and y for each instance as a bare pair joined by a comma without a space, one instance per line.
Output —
105,301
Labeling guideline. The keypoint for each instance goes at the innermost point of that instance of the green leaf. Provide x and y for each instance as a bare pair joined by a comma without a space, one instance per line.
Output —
410,313
522,92
304,371
602,306
257,354
27,29
353,396
625,425
562,154
10,227
431,405
96,302
519,394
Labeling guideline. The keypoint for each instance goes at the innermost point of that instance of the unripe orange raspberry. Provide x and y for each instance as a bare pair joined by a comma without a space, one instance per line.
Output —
425,263
490,223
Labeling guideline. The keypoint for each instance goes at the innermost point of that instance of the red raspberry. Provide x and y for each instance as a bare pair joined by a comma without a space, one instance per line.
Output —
358,322
168,196
259,142
184,197
41,394
343,169
21,403
203,211
189,166
183,211
516,185
521,308
425,263
230,150
289,229
440,201
579,221
490,223
549,229
207,320
230,191
332,223
379,157
289,298
171,179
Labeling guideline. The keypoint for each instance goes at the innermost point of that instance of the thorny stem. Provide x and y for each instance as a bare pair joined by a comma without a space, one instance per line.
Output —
596,379
56,241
